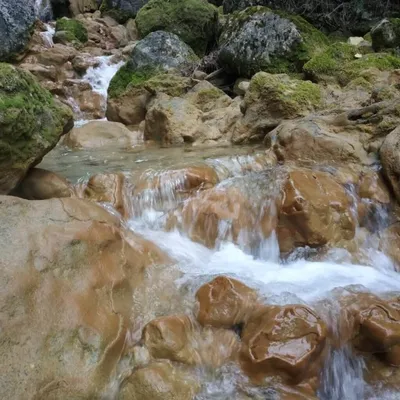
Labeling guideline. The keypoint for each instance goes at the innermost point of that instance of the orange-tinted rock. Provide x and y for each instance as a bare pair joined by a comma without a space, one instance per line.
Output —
225,302
316,211
68,277
91,103
108,188
40,184
178,338
159,381
372,187
287,341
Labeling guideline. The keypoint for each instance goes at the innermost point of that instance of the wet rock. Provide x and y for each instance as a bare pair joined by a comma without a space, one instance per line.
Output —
230,213
107,188
159,381
39,184
287,341
225,302
390,242
31,124
390,158
316,211
178,338
16,23
67,297
57,55
271,99
258,39
371,186
100,134
92,104
194,21
83,62
386,34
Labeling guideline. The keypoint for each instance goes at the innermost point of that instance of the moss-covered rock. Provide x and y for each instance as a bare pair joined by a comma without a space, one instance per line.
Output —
156,53
121,10
339,63
257,39
31,123
74,30
194,21
386,34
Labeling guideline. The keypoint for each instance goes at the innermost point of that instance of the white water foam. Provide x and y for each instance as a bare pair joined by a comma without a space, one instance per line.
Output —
48,35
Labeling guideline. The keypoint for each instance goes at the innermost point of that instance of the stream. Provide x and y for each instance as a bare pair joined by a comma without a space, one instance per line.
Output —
296,279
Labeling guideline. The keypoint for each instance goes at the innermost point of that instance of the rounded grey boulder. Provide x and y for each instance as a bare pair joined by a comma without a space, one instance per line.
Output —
16,21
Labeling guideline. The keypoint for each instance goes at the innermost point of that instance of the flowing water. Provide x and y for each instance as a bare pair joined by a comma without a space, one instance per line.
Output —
43,10
296,279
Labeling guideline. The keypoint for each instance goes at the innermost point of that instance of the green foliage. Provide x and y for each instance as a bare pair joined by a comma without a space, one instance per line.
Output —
194,21
75,30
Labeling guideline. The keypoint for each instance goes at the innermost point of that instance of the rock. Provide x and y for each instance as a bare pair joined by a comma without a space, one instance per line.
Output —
355,40
120,35
287,341
57,55
271,99
67,297
390,242
83,6
194,21
100,134
91,103
159,381
259,40
372,187
331,142
108,188
74,30
333,16
39,184
316,211
241,86
122,10
228,212
225,302
83,62
132,31
340,63
41,72
157,52
31,124
386,34
178,338
16,23
390,159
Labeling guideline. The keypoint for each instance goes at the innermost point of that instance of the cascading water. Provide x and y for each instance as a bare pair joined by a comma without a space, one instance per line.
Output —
43,10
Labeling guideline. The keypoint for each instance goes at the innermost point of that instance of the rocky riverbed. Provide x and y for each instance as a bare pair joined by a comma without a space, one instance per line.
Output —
200,200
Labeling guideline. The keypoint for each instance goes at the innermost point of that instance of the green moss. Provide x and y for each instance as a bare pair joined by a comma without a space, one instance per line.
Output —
368,37
74,30
171,84
29,118
194,21
360,82
291,97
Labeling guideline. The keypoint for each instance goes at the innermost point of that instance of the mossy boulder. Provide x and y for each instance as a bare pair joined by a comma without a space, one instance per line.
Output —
121,10
257,39
31,123
16,26
339,63
270,99
157,52
194,21
386,34
74,30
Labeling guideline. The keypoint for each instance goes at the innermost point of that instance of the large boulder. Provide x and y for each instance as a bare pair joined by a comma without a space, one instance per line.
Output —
271,99
258,39
73,30
386,34
31,124
316,211
97,134
67,297
16,23
333,15
122,10
390,159
158,52
194,21
83,6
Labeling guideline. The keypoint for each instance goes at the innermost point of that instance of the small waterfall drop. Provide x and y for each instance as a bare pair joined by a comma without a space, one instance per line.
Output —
43,10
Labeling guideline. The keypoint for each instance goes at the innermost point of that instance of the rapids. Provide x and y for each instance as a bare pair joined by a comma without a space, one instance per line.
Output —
296,279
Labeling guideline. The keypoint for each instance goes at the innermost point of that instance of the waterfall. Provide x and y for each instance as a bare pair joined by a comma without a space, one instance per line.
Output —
43,10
